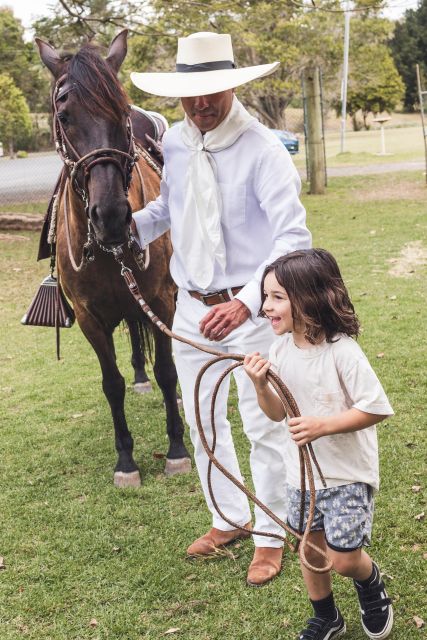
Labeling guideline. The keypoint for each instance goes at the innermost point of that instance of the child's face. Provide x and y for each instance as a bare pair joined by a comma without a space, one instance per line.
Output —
277,306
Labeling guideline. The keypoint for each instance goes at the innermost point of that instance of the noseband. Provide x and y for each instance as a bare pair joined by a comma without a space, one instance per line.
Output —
74,162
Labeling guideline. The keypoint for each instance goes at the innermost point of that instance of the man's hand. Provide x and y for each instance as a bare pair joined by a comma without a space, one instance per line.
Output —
305,429
223,319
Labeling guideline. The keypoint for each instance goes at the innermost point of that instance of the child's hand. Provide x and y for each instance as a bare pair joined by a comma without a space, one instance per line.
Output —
305,429
256,367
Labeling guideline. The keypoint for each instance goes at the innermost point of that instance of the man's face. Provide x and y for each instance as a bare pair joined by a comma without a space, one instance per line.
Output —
207,112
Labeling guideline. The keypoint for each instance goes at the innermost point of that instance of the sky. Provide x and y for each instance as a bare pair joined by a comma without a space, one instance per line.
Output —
28,10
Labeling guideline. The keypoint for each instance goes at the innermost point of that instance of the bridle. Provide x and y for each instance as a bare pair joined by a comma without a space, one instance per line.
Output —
74,162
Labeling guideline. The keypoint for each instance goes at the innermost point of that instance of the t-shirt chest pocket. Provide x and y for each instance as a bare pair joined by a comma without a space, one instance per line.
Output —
233,204
329,402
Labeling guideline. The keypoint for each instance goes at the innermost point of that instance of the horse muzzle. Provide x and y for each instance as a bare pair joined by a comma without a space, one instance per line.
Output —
111,222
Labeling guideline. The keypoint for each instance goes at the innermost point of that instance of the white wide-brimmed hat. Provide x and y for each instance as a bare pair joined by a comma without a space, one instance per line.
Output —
204,65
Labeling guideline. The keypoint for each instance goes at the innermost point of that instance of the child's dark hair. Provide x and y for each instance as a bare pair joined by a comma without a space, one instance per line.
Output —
317,293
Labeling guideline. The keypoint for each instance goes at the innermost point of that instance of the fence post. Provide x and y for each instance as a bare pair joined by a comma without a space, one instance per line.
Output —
315,149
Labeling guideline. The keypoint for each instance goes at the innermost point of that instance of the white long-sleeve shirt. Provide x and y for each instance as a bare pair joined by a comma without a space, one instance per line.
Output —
262,216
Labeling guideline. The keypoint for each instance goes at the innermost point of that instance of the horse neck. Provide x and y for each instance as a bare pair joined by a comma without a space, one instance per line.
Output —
72,208
144,186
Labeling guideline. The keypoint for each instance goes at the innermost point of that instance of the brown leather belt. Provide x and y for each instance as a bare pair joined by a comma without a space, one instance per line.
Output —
210,299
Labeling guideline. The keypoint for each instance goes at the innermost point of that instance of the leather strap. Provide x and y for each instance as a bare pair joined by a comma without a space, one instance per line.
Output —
217,297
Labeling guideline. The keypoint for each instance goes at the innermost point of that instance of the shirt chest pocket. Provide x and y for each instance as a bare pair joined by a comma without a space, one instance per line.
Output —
329,403
233,198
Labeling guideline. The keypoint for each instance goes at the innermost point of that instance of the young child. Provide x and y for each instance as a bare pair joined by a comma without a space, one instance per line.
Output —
340,400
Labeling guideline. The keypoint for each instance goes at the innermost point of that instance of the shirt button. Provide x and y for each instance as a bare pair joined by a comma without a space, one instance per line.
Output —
200,146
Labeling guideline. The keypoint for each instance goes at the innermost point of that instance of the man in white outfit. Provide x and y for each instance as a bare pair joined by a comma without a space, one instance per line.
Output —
230,197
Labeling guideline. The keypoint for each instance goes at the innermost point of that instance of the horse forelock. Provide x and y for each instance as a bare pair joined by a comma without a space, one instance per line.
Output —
96,84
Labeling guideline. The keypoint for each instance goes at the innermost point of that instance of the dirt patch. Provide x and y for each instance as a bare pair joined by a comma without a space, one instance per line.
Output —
412,256
10,237
393,191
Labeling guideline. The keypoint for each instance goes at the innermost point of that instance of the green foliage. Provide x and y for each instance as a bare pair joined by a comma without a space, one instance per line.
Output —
14,112
13,52
409,47
262,32
374,84
21,154
21,63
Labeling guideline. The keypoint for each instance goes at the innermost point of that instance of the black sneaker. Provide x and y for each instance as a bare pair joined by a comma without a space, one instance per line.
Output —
320,629
375,607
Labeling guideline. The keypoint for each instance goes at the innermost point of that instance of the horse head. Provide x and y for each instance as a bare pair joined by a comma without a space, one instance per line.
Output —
93,132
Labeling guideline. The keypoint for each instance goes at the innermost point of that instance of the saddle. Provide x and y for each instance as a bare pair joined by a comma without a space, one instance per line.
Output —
148,130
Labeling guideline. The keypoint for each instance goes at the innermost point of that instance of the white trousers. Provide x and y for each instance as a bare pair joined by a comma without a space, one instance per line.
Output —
267,438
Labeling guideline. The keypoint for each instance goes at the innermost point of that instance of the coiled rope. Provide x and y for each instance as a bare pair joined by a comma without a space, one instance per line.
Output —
305,452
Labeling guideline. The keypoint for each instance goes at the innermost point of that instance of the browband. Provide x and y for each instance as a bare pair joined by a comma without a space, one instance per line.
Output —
205,66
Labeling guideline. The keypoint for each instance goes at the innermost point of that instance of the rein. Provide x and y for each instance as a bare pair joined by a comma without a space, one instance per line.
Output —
305,452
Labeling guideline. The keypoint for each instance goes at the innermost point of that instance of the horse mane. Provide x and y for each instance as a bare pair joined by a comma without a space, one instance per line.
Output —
96,84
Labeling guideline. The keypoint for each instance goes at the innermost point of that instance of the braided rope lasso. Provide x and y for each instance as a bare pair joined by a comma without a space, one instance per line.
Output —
305,452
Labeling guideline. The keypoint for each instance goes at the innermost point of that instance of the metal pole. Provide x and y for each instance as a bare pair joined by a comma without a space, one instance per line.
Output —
382,140
345,74
421,95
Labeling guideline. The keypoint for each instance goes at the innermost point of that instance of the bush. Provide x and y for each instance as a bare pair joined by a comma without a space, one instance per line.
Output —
22,154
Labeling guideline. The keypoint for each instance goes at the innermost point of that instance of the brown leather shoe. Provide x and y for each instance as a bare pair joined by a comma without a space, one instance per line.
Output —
215,539
266,565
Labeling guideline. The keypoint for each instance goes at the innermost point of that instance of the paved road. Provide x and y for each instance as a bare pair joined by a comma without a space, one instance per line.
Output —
28,179
33,179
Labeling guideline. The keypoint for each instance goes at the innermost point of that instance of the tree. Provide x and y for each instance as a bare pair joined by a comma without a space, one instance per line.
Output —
261,31
15,118
20,63
409,47
374,84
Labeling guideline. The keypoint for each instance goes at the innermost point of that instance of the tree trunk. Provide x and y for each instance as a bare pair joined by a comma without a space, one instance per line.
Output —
12,152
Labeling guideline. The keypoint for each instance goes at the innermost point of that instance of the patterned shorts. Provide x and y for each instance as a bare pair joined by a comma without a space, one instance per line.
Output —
344,513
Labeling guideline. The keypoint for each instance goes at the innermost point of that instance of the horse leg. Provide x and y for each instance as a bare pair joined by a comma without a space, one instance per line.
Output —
126,472
177,458
141,383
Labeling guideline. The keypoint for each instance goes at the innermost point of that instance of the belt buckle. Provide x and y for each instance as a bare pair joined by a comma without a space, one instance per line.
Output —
206,297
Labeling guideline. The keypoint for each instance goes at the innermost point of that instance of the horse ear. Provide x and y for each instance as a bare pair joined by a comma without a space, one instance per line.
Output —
118,50
50,58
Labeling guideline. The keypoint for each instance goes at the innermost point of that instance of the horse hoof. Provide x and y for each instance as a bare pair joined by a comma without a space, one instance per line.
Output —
178,466
123,480
142,387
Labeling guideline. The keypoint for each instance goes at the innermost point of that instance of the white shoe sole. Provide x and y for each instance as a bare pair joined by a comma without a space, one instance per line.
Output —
385,632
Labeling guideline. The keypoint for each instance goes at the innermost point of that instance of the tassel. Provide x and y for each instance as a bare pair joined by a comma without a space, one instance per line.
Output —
49,307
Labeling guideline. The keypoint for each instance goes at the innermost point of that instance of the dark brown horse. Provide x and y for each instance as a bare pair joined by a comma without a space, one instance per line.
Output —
100,189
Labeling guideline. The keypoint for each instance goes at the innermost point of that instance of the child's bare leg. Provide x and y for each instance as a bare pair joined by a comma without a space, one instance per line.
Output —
352,564
375,605
327,621
318,585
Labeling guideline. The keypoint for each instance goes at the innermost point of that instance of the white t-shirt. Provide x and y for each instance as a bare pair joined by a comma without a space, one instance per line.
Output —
327,379
262,216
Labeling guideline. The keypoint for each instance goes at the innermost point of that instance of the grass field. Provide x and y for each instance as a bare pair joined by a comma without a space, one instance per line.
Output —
405,144
85,561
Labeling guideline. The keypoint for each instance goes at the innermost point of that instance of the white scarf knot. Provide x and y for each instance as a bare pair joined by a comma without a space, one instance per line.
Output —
202,241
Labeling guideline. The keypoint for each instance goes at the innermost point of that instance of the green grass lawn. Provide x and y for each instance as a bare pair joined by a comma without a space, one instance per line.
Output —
405,144
85,561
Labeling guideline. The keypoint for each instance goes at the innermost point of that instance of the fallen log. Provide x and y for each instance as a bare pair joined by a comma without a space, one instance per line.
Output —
20,222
